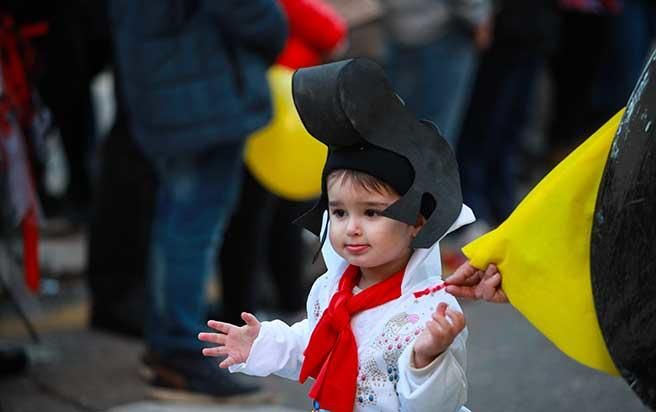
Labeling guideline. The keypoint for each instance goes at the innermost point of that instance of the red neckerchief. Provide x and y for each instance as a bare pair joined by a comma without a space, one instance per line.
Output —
331,357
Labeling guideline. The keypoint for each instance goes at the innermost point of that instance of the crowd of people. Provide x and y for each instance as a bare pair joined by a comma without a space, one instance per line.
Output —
168,203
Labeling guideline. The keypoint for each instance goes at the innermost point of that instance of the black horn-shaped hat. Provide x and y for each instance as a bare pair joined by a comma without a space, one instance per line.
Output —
350,104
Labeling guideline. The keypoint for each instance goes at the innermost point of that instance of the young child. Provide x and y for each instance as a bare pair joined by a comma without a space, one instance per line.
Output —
381,333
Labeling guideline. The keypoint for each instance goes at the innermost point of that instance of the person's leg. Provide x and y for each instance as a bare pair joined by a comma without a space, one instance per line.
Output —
447,75
74,50
575,67
76,126
240,251
404,68
519,85
194,200
475,142
119,235
632,41
195,197
287,254
629,44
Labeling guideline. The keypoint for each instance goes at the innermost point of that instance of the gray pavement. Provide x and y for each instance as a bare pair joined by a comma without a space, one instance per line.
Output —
159,407
512,367
80,370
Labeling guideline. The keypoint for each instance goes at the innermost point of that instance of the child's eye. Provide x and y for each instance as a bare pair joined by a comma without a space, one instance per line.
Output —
371,213
338,212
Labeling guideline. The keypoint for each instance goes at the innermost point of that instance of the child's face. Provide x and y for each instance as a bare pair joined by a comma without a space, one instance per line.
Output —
359,234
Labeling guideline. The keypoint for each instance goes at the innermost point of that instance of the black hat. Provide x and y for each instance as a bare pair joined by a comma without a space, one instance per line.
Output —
350,106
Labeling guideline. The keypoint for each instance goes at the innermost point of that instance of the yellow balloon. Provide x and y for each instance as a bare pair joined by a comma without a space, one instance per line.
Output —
543,252
283,156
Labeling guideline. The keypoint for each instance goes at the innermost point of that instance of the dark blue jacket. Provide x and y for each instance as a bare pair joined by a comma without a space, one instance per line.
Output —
193,72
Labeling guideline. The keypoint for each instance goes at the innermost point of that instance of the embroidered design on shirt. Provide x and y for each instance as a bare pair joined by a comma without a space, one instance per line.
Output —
397,333
369,377
316,310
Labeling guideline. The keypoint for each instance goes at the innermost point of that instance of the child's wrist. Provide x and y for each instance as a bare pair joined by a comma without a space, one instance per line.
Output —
420,361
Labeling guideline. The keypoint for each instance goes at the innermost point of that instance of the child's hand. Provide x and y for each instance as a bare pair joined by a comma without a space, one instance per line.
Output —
438,335
233,342
472,283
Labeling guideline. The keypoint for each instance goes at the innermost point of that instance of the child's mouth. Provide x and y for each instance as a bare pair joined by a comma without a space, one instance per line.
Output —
356,249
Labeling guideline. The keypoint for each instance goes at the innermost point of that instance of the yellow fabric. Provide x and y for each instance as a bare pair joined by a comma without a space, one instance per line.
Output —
543,252
282,156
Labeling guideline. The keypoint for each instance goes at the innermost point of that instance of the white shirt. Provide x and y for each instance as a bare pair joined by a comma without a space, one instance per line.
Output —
386,381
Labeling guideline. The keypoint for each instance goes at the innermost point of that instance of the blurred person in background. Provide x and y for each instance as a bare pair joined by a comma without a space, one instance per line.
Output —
433,47
75,48
119,232
501,104
584,35
366,31
192,75
261,224
632,34
118,226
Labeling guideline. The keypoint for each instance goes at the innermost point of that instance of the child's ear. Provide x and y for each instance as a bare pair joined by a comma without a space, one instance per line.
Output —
421,221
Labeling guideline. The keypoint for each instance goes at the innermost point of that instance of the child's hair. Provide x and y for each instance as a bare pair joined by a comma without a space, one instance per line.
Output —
373,184
364,180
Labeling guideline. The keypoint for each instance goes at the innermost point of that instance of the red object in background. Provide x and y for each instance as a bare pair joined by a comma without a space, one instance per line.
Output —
18,60
315,29
451,260
31,250
612,7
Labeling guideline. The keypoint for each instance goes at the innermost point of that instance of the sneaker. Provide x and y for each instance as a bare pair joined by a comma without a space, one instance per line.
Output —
13,361
149,360
191,377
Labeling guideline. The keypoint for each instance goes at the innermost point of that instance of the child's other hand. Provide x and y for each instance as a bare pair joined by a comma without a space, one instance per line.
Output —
440,331
472,283
233,342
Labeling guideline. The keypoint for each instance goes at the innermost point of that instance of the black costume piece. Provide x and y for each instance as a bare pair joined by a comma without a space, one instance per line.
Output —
350,107
623,243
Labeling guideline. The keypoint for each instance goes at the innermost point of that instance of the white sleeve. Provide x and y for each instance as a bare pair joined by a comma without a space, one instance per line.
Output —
278,349
441,384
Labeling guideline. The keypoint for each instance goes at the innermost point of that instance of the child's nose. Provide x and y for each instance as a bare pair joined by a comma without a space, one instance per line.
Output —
353,227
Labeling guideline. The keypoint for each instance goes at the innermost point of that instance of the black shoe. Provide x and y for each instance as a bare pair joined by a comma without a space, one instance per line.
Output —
189,376
13,361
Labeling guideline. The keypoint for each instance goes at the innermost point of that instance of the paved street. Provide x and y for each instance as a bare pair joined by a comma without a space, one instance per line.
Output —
511,367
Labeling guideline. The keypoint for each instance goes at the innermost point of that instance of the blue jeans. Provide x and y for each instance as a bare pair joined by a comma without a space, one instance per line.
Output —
195,198
638,27
434,80
500,106
630,47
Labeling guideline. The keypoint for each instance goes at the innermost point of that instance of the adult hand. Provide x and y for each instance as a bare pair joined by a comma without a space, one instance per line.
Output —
472,283
439,333
232,341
